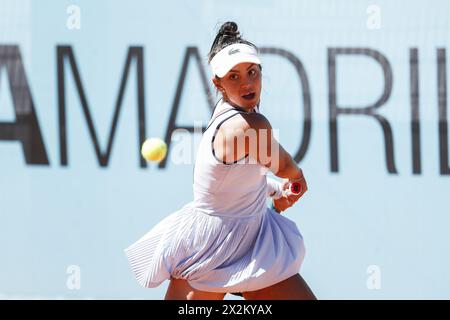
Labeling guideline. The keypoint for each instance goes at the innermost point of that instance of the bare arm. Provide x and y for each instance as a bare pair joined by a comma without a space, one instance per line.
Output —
267,150
252,135
271,154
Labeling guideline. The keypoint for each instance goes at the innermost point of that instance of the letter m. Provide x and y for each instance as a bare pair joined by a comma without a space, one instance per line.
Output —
134,53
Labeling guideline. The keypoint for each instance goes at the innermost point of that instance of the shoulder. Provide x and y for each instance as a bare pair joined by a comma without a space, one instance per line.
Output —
244,121
255,120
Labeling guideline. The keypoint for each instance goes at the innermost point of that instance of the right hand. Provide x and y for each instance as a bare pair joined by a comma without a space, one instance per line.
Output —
288,199
303,185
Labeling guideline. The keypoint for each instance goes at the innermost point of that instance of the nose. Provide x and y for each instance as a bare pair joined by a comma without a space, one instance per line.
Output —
248,81
246,87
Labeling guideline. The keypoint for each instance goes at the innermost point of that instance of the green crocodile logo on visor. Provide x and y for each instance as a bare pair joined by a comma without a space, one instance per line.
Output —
233,51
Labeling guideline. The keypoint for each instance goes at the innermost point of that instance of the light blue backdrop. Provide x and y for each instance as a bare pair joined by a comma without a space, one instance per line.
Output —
53,217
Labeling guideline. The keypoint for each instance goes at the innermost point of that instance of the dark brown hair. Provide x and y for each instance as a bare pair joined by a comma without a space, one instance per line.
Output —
228,34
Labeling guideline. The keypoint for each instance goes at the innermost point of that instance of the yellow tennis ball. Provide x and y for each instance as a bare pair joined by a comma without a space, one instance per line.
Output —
154,149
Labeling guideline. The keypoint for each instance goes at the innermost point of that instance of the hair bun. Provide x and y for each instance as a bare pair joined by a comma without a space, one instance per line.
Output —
229,29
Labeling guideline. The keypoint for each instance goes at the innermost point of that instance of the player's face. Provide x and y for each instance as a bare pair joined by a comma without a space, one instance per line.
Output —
241,85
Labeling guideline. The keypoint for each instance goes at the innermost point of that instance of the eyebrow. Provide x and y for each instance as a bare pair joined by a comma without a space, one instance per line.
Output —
247,68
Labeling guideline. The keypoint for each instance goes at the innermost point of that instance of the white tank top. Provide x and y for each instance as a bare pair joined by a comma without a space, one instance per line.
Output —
234,190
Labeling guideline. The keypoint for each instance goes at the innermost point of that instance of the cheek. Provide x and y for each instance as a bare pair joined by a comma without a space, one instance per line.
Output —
232,87
258,84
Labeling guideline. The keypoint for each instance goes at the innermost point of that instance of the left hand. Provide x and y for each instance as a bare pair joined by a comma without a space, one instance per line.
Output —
287,200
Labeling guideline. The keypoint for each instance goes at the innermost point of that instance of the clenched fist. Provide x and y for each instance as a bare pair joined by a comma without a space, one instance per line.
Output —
288,199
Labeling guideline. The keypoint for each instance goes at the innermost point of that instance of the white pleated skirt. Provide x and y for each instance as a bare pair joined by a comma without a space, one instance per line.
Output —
218,253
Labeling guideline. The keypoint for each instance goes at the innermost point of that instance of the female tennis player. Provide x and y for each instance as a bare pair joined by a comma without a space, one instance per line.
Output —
227,240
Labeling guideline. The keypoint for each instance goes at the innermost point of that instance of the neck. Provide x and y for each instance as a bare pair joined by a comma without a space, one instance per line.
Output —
245,109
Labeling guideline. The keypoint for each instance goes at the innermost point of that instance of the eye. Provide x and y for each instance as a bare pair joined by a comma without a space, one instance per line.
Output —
252,72
234,76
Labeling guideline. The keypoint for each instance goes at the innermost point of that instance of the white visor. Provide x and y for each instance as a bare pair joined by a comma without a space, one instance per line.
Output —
232,55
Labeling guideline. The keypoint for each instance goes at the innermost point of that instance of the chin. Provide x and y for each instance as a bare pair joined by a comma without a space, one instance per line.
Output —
249,104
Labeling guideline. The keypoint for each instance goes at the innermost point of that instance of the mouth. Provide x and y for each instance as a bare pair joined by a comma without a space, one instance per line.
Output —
249,96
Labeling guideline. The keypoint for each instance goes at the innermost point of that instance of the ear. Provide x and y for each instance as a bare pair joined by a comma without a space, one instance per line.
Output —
217,84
